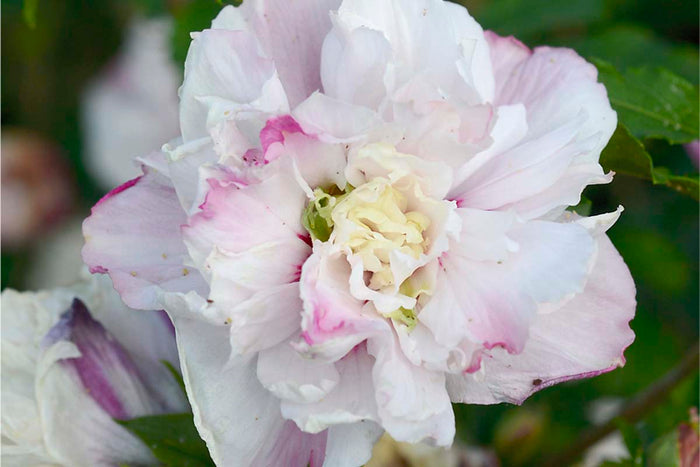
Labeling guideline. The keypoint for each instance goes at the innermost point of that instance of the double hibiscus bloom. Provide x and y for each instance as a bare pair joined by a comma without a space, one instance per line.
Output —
364,220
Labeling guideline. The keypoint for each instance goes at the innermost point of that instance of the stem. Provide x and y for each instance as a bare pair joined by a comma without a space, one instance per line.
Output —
634,410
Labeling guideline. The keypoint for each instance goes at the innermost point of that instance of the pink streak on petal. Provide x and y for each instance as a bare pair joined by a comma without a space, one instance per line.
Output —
119,189
274,132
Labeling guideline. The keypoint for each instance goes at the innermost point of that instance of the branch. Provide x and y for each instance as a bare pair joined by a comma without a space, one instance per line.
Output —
633,411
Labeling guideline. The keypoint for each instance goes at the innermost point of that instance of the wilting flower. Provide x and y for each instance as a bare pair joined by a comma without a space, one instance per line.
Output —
73,360
131,107
365,220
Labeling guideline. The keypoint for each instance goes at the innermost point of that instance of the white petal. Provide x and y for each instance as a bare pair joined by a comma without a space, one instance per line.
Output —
351,444
413,403
293,377
352,399
238,419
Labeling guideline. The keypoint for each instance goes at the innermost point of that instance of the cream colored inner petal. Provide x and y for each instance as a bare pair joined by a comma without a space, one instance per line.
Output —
380,224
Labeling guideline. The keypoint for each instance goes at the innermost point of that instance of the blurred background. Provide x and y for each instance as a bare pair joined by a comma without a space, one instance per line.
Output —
87,86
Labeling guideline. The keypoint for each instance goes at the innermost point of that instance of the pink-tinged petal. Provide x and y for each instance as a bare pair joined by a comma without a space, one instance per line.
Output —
293,377
290,33
351,400
494,302
349,445
275,129
333,321
184,165
353,65
236,277
235,219
529,168
319,164
333,121
584,338
217,58
559,89
412,402
133,234
219,385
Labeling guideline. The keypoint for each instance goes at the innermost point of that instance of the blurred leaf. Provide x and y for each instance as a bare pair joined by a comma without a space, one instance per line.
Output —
633,441
626,155
176,375
29,10
191,17
664,451
633,46
652,102
523,18
172,438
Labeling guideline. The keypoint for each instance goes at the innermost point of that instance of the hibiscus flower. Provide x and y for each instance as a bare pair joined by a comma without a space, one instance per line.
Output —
364,220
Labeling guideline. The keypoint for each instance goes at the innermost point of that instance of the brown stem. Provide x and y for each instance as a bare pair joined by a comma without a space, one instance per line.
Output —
634,410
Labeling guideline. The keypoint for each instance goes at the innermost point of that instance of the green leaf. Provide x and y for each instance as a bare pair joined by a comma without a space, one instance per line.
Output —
172,438
525,18
626,155
583,208
191,17
632,440
29,10
652,102
625,46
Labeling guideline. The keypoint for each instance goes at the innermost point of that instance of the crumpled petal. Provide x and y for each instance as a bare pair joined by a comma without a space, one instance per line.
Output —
584,338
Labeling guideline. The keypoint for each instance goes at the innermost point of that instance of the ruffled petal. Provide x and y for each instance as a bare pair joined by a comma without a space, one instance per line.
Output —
353,65
352,399
412,402
238,419
291,34
569,122
133,234
235,219
217,58
333,321
435,40
292,377
584,338
494,302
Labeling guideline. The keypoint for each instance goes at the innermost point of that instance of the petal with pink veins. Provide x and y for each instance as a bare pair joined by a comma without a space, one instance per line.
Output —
133,234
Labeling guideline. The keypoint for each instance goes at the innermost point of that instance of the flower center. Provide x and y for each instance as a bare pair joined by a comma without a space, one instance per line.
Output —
374,221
